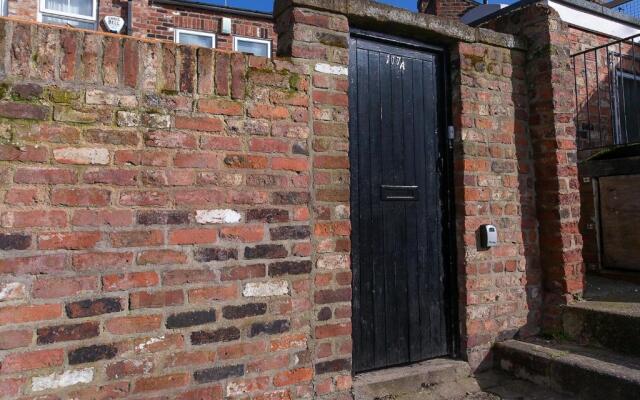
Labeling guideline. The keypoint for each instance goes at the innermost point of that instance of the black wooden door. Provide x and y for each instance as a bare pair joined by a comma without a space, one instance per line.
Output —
399,295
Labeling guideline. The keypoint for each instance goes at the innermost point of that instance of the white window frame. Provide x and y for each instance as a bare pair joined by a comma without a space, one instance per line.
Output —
93,18
177,32
263,41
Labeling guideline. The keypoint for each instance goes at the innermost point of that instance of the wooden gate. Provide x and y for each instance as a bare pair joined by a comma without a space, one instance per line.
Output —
399,201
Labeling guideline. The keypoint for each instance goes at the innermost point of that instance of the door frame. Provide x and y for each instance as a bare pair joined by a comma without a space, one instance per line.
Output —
449,250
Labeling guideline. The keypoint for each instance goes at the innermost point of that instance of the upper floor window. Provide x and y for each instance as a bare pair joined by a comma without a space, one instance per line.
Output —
195,38
4,8
77,13
256,47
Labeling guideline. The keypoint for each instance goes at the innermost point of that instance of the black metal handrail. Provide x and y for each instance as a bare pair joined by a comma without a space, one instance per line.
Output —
607,94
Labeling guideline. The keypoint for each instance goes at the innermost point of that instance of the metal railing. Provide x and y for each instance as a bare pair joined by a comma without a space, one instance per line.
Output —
607,86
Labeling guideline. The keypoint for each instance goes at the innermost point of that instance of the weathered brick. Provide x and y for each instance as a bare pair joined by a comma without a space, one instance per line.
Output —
93,307
161,257
14,241
271,215
223,66
290,268
101,260
240,273
49,288
191,318
134,324
270,328
112,136
265,251
18,362
290,232
167,298
37,265
92,353
246,161
160,383
218,373
220,106
69,241
215,254
137,239
207,294
162,217
23,153
81,197
24,111
29,313
14,339
220,335
245,234
333,366
244,311
293,377
207,124
65,333
129,280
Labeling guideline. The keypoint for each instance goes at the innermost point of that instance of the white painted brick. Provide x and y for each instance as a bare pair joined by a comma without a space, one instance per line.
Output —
57,381
332,69
82,156
334,261
266,289
217,217
12,291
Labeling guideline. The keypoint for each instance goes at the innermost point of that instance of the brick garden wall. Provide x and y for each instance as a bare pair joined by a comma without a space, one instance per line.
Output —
159,21
500,293
158,221
174,221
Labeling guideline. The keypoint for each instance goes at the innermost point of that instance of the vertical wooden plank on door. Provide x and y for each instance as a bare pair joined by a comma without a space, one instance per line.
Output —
414,123
354,154
365,210
376,243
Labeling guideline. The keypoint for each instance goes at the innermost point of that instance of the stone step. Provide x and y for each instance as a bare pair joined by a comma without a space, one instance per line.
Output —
394,383
614,325
588,373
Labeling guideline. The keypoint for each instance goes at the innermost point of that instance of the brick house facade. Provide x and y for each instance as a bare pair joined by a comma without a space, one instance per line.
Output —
175,221
157,19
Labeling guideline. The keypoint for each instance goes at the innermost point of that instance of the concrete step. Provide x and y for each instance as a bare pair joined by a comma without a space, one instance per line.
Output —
614,325
394,383
588,373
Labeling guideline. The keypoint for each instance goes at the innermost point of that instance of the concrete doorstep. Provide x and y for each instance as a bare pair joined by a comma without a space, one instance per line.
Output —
444,379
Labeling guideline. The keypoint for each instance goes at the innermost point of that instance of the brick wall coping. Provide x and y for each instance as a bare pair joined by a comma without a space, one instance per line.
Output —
365,13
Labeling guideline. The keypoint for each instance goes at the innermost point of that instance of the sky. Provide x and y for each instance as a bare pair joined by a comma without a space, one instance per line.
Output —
266,5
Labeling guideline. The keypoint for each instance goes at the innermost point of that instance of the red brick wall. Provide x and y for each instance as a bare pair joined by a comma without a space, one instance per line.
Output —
156,221
28,9
159,21
550,77
500,288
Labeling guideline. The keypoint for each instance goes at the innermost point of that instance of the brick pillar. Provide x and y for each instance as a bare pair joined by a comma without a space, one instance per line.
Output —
551,111
318,40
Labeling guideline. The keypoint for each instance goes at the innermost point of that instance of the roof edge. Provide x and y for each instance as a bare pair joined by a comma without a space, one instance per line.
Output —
221,9
580,4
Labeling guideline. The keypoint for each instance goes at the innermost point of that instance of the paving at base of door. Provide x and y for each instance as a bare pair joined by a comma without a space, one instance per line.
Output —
492,385
445,379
